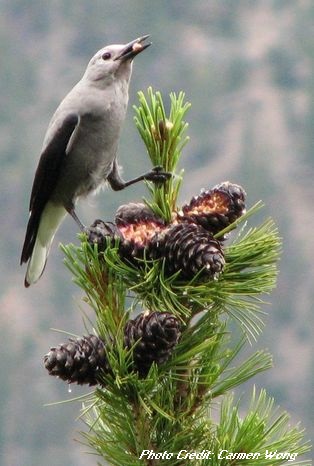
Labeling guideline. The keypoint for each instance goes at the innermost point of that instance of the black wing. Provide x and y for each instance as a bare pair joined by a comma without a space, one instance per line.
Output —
45,180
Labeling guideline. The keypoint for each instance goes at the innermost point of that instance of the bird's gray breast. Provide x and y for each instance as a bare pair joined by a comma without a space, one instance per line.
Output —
93,145
90,154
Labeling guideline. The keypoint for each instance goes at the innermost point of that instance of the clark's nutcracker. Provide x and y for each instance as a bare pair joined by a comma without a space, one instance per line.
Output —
80,149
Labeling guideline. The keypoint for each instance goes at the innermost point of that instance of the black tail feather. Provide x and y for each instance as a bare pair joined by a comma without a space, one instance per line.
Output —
30,237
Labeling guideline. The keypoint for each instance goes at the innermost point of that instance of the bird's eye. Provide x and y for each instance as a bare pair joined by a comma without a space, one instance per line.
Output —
106,56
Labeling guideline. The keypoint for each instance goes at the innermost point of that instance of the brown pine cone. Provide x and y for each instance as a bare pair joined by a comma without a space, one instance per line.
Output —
157,334
78,361
216,208
190,249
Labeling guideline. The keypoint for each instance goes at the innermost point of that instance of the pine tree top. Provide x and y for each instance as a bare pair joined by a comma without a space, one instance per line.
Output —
198,267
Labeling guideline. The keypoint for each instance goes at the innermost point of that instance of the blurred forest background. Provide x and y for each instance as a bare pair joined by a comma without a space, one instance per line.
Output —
247,68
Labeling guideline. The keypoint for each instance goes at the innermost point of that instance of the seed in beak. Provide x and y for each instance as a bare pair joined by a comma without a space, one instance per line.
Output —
137,47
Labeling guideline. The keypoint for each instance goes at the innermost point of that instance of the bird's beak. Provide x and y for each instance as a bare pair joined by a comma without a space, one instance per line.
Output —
133,48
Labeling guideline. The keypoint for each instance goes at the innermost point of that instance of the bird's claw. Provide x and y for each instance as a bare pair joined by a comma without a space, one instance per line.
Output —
157,175
100,230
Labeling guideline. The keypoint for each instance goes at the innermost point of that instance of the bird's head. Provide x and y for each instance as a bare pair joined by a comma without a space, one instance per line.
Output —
114,61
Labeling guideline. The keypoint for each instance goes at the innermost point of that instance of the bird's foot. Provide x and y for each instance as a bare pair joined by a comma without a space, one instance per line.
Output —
157,175
99,231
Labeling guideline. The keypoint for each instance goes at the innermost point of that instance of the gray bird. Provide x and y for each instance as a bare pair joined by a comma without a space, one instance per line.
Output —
80,150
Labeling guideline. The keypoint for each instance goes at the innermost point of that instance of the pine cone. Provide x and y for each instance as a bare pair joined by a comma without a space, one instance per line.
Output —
189,248
158,333
79,361
135,213
99,231
216,208
82,360
137,225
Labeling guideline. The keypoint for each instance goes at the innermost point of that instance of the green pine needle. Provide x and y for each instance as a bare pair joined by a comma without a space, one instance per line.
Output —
164,139
263,429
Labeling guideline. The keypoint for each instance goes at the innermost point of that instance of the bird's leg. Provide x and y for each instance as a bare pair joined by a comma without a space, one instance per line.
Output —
76,219
157,175
98,231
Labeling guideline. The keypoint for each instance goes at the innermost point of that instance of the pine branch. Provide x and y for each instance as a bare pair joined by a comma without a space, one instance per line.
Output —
163,138
250,272
263,431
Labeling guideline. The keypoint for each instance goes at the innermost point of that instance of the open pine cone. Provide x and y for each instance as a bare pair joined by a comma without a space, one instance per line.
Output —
187,244
215,208
137,225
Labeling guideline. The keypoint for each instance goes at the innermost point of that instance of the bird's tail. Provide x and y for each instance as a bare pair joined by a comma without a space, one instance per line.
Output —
50,221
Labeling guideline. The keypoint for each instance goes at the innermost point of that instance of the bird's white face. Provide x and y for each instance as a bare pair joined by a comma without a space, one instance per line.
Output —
113,61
